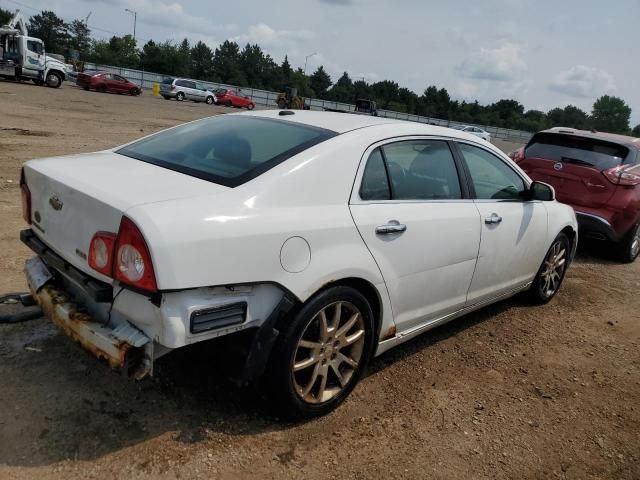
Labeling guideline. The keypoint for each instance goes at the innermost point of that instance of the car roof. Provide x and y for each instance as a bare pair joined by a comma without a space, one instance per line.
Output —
344,122
625,140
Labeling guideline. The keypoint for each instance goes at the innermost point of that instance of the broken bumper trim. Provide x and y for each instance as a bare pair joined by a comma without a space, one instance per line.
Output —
119,347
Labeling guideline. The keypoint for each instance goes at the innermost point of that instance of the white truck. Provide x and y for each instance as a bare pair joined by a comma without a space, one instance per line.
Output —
23,57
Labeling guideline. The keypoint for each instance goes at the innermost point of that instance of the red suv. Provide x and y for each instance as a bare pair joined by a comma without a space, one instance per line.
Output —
598,174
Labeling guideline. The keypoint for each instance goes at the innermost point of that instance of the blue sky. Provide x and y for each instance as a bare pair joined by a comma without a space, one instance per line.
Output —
543,53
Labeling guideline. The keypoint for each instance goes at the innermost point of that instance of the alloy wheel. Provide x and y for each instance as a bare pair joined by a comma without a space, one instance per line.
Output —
328,352
553,268
635,243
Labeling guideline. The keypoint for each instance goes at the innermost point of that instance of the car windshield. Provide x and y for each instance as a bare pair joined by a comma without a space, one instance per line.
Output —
585,151
226,149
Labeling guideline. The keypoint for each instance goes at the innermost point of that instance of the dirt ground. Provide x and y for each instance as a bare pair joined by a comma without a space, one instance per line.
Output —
511,391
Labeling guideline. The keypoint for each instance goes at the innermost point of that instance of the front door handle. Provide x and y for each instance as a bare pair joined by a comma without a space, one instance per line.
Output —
492,219
390,228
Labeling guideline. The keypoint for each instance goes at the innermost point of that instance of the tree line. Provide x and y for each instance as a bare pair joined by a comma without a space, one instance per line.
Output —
251,66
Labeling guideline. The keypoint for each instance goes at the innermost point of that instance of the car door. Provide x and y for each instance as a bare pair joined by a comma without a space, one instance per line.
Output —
119,84
414,215
35,58
514,229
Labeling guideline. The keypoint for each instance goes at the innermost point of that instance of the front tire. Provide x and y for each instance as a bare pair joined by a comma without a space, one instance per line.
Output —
551,273
629,248
251,106
54,80
321,354
180,96
209,100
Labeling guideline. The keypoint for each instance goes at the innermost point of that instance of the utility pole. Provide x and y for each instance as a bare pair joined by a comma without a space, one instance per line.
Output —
135,19
307,58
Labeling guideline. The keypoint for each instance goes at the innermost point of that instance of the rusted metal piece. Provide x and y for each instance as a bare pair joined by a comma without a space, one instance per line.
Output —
77,324
389,333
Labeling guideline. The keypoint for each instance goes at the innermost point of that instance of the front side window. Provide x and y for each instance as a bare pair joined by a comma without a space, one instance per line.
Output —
35,47
411,170
492,178
226,149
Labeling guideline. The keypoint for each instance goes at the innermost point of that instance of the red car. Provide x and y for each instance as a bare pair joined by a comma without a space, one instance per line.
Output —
231,98
107,82
598,174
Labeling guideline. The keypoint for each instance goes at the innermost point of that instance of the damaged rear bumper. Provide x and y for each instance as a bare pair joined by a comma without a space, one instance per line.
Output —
123,347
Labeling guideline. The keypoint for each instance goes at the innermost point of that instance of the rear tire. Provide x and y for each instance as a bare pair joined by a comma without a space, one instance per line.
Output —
101,89
134,91
551,273
251,106
228,103
629,248
321,353
166,97
180,96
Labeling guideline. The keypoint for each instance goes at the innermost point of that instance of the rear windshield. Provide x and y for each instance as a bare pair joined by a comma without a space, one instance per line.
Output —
226,149
577,150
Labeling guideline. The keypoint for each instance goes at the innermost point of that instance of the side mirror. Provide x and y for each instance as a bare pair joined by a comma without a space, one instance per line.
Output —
542,191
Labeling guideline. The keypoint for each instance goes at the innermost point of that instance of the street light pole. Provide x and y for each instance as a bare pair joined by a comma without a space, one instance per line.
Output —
135,19
307,58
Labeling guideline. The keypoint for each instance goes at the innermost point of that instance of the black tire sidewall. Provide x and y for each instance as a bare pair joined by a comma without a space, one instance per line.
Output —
180,96
58,82
537,295
625,247
280,383
209,101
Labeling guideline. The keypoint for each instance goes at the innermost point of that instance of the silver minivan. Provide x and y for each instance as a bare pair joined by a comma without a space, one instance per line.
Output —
182,89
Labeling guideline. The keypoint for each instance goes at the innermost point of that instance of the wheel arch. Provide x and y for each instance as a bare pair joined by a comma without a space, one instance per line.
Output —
572,235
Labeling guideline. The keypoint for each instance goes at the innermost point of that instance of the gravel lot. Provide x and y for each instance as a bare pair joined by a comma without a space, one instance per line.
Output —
511,391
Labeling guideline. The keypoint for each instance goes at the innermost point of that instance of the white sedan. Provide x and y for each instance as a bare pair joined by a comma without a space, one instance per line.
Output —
327,238
477,131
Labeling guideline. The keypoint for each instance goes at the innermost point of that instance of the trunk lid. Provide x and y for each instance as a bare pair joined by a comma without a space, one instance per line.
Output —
573,165
74,197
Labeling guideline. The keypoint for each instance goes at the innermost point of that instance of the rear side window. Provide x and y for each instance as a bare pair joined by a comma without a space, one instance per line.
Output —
411,170
589,152
227,149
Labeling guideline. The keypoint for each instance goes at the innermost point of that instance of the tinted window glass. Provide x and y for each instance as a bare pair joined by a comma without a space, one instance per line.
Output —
35,47
375,185
226,149
119,78
181,83
190,84
492,177
577,150
422,170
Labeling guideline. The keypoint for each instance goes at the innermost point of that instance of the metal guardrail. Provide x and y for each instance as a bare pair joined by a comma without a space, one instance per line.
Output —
268,99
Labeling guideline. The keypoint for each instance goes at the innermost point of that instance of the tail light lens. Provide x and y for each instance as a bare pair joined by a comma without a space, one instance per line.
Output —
26,198
132,263
101,252
627,175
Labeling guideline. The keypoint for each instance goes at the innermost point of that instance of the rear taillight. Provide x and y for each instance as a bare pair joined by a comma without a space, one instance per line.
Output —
628,175
101,252
26,198
132,263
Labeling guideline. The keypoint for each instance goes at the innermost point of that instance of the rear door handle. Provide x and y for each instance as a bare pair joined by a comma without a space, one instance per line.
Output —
492,219
390,228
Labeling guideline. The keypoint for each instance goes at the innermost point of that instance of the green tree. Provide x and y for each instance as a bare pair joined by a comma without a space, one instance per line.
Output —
183,61
226,64
5,16
285,72
119,51
386,92
320,82
611,114
79,37
636,131
51,29
534,121
342,90
202,62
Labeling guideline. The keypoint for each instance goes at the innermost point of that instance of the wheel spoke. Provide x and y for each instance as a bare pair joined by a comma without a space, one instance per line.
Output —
324,327
351,339
306,363
561,254
342,358
323,383
336,317
349,325
309,344
338,374
312,382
